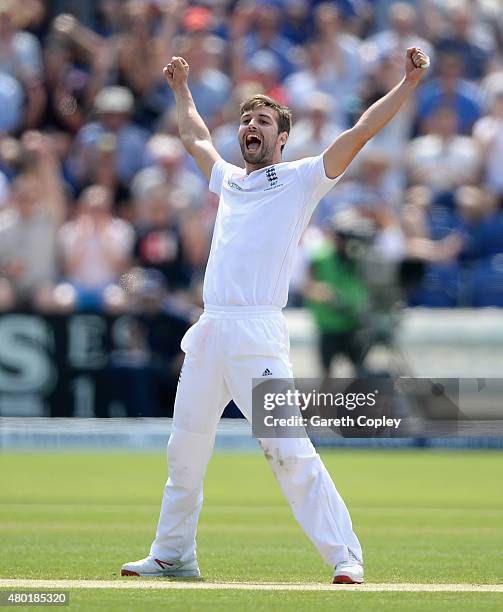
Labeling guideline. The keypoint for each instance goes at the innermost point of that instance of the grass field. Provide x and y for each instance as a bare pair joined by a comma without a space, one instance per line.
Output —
422,517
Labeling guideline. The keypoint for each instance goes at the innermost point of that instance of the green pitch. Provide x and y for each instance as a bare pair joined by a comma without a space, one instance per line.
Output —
422,517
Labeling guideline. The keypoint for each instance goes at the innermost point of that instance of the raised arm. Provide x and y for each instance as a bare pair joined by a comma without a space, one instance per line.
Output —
47,172
340,154
194,134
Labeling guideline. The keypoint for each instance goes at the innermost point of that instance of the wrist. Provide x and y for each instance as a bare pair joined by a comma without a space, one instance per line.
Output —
181,92
412,81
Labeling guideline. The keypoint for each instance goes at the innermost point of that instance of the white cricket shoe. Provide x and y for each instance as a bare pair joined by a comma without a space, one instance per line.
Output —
151,567
348,572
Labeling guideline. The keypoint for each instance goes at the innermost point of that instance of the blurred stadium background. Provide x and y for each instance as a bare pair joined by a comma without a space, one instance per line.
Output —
105,222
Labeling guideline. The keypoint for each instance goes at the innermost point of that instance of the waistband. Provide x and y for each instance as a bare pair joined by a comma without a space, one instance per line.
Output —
241,312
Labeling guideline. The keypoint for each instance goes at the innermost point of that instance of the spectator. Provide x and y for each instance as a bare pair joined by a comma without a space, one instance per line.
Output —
140,49
475,210
296,22
488,132
113,107
424,242
443,159
95,249
135,53
65,88
465,38
21,71
28,227
313,132
319,74
341,51
402,33
68,85
449,88
430,273
210,86
168,157
158,243
108,17
195,232
367,191
264,69
20,54
145,374
265,34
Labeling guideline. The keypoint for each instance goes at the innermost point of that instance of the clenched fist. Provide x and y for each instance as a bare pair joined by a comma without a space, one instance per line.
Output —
416,64
176,72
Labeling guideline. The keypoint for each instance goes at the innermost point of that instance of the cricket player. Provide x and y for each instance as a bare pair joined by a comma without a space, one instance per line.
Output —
263,210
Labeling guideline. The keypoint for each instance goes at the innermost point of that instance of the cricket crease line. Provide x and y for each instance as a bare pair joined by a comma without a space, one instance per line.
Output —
160,583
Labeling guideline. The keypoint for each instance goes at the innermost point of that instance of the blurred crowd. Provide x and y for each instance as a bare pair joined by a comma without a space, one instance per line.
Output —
100,206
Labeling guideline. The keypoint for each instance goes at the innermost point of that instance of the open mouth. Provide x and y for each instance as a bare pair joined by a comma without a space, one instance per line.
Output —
253,142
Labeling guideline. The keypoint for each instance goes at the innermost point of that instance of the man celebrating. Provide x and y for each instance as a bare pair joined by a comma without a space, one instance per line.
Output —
242,335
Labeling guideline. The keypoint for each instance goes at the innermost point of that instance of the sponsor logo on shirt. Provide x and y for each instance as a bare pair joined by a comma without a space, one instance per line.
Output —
234,185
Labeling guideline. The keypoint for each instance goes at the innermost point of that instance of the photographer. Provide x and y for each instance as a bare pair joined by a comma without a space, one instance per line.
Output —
336,291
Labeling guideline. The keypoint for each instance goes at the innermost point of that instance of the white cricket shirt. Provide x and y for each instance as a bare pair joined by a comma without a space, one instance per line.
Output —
259,222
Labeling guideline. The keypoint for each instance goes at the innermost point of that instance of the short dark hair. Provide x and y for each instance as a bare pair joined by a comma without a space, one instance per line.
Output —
284,113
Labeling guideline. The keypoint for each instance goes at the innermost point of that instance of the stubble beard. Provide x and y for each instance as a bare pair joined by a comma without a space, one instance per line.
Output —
263,156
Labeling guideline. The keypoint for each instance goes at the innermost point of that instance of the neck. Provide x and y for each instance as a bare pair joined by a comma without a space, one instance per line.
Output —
252,167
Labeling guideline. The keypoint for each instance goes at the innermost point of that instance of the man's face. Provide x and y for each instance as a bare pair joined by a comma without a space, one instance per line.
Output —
114,121
258,135
95,201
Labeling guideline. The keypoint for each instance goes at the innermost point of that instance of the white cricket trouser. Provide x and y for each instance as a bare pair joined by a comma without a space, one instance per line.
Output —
224,350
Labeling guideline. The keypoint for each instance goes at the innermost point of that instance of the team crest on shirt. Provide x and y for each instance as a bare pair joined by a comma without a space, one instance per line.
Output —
272,178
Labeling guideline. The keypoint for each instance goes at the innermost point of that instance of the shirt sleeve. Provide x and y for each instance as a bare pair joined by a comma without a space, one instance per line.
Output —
315,183
218,172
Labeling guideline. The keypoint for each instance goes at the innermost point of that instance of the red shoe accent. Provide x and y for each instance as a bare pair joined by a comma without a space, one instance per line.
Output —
344,580
163,564
128,573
